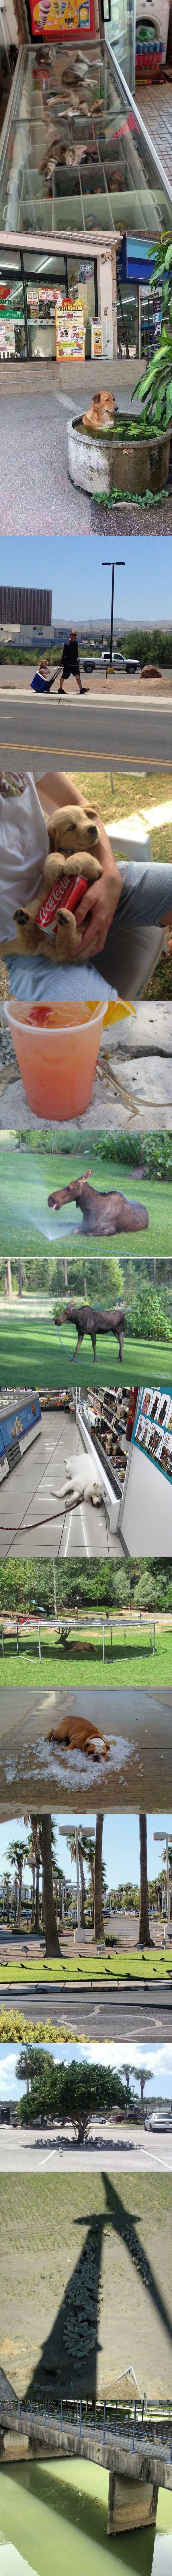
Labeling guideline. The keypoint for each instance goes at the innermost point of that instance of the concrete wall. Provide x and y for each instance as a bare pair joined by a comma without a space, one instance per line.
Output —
41,376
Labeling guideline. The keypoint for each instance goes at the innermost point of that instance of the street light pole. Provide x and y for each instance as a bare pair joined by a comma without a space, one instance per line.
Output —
108,563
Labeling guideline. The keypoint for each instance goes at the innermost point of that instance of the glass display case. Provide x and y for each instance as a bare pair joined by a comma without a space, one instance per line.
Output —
74,158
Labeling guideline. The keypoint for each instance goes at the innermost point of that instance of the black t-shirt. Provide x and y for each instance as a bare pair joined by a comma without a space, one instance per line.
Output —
70,658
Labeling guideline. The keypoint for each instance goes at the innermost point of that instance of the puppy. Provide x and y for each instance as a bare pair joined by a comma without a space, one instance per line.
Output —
47,925
102,411
79,1734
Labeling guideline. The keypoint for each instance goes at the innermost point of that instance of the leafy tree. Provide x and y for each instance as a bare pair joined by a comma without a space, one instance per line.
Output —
73,2092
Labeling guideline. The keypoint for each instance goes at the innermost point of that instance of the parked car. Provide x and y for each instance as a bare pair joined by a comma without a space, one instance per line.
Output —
120,663
159,2120
117,658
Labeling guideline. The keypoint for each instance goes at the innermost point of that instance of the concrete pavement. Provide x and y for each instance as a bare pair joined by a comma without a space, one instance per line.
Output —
127,731
114,2009
122,2150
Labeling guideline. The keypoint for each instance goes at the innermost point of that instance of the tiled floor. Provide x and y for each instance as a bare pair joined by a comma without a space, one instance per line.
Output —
28,1520
155,105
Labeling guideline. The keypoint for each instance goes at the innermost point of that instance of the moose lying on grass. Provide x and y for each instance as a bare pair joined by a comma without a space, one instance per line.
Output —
93,1320
103,1211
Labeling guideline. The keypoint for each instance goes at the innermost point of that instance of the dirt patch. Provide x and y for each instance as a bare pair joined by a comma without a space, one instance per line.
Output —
86,2291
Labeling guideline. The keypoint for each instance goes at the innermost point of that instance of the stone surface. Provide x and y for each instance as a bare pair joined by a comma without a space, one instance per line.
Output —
96,464
131,2504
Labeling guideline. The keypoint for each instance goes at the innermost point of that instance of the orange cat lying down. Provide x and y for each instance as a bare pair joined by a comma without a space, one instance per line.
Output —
79,1733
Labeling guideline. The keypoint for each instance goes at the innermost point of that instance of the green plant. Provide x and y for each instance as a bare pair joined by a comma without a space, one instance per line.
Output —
156,390
72,2092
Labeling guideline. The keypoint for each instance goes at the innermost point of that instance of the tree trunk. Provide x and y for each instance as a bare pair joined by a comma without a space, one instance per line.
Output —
66,1278
54,1586
32,1919
9,1278
92,1877
36,1841
52,1943
20,1279
80,2129
5,1284
98,1909
81,1865
19,1899
144,1933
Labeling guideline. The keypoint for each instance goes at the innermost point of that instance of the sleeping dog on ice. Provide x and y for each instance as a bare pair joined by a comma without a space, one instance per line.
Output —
81,1735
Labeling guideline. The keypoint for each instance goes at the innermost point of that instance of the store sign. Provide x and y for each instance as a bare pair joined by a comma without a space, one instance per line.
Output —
153,1427
51,18
70,329
96,339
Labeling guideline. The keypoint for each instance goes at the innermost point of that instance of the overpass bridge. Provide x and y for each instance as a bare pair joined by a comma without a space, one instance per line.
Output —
136,2454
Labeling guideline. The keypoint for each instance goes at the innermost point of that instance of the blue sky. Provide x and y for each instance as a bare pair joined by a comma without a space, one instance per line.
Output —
120,1844
72,567
157,2060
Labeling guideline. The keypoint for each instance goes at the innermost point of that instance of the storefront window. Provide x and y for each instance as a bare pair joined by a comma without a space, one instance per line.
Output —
128,322
151,320
12,323
41,297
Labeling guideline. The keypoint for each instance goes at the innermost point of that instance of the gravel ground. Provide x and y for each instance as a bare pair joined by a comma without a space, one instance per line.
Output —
132,522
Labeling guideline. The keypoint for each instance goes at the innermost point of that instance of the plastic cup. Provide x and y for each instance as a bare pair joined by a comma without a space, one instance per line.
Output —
57,1054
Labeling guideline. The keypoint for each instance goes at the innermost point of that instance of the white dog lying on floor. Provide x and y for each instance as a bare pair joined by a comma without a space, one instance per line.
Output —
82,1484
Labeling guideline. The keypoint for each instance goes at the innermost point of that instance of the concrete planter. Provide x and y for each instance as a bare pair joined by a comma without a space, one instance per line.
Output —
99,463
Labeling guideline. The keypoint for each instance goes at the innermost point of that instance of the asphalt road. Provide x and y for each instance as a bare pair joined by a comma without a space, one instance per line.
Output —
127,2150
143,2013
102,736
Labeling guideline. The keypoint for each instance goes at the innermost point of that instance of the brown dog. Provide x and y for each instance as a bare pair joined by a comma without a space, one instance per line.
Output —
48,925
79,1733
102,412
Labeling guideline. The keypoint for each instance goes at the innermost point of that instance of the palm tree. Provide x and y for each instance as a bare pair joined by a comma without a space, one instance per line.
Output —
32,1864
17,1853
71,1846
7,1886
52,1943
36,1846
98,1902
144,1938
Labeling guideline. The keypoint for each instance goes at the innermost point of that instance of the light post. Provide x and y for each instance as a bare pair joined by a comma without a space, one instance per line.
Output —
165,1837
109,564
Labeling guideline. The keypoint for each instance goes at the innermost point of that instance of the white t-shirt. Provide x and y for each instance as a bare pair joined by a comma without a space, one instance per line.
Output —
24,846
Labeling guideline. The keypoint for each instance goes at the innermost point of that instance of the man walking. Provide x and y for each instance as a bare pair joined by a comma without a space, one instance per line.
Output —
70,665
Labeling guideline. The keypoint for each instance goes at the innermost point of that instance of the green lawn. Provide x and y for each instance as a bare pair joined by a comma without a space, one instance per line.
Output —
122,1964
28,1224
33,1354
136,1666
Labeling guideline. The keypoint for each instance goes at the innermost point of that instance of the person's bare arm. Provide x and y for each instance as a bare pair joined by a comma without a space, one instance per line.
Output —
96,911
56,789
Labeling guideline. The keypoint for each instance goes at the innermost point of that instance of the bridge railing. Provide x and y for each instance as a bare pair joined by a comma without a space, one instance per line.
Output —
104,2423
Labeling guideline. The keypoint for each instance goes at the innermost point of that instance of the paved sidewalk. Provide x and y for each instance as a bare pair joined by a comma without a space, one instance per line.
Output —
155,106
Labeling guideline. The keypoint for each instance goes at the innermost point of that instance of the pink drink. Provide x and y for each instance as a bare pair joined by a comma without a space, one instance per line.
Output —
57,1050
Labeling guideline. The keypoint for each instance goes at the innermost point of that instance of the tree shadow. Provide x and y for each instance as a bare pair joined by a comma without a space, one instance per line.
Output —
71,2348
